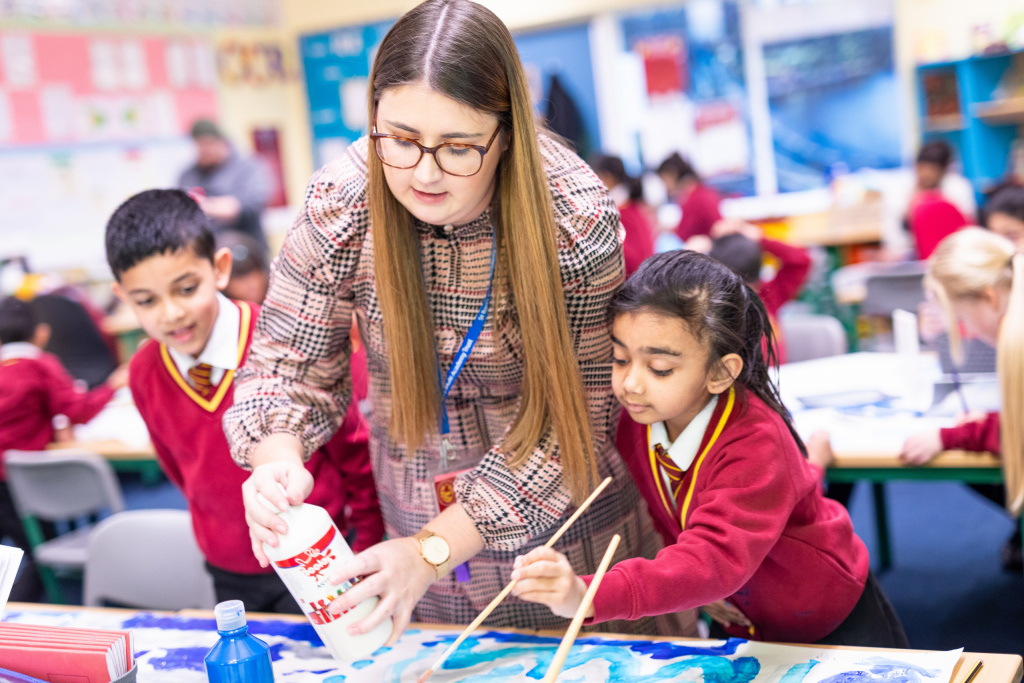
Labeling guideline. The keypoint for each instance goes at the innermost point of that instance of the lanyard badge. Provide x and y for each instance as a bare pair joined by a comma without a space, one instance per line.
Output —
452,465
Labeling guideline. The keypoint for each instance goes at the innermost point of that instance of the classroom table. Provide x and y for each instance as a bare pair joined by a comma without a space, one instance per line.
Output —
874,457
170,646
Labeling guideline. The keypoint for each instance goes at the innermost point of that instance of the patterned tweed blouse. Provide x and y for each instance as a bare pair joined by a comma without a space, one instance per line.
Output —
296,378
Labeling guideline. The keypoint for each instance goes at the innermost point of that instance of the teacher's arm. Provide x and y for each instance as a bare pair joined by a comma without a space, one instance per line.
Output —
294,388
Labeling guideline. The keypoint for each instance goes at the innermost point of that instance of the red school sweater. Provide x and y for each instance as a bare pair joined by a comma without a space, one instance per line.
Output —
979,436
757,531
639,243
192,450
32,392
700,212
794,263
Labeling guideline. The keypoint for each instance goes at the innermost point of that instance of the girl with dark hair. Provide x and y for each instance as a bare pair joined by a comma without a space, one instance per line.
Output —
1005,215
698,201
715,454
478,255
628,194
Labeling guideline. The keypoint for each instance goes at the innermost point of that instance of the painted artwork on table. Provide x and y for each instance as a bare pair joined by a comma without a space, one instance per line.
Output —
171,648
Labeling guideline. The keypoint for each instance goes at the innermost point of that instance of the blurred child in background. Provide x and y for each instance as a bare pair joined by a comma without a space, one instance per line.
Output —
1005,215
628,194
250,268
698,202
740,246
39,402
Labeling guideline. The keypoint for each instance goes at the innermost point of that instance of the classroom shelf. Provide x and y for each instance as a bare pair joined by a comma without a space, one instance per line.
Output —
963,103
1001,112
944,124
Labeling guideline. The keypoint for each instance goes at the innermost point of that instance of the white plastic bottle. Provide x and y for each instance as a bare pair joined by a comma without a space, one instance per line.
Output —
304,558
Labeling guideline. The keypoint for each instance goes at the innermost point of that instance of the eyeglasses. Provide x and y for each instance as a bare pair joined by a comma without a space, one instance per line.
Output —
454,158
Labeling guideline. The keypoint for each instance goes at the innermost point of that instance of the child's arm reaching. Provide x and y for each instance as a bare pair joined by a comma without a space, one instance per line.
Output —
545,576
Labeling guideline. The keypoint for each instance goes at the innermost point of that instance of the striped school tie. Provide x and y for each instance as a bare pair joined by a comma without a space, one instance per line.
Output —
669,467
199,375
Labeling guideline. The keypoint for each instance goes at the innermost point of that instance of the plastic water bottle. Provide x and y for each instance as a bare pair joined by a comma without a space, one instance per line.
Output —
304,558
237,657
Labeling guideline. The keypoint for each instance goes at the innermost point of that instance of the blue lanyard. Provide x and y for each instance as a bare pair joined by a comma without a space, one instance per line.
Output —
466,348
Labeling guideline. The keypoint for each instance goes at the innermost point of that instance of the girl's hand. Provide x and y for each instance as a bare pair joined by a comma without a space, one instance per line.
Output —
545,576
819,451
267,480
396,572
726,614
921,448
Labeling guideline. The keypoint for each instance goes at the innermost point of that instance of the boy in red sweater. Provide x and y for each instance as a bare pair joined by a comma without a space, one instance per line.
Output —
740,246
161,251
714,453
39,402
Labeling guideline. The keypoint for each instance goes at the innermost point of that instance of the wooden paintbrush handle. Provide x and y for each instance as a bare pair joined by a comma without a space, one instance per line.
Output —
581,614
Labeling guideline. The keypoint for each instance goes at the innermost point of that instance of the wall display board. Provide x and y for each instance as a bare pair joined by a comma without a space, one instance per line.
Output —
337,67
85,121
696,98
834,106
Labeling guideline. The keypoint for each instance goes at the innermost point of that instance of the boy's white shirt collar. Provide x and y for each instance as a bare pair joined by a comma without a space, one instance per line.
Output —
221,350
684,449
19,350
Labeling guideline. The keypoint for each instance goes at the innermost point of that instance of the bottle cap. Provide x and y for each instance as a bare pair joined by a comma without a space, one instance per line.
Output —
230,615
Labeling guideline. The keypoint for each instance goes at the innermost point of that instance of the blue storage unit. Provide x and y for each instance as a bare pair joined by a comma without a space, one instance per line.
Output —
961,103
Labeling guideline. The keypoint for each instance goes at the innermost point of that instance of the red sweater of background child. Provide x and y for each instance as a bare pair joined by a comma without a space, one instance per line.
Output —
639,244
190,445
700,212
758,532
32,391
794,263
980,436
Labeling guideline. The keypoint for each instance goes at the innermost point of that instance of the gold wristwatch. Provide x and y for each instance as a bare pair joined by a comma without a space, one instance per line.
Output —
434,550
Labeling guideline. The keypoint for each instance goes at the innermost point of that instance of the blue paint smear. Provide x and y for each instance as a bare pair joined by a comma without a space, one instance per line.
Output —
293,631
362,664
884,670
798,672
176,659
623,665
334,679
498,673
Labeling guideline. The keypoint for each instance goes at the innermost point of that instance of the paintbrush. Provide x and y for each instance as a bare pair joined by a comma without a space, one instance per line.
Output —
969,676
508,589
577,621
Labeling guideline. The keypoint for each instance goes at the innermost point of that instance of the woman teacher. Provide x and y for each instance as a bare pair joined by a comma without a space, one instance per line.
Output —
478,255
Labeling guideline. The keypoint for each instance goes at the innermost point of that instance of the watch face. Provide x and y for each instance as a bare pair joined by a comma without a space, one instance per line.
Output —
435,550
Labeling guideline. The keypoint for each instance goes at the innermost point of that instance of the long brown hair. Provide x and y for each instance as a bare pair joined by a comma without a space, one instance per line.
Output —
963,266
463,51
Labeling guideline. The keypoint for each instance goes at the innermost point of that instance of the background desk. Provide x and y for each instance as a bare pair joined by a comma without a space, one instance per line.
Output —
867,448
121,456
170,647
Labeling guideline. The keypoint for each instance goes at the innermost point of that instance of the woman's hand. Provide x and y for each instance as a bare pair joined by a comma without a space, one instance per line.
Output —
277,463
726,614
396,572
921,448
545,576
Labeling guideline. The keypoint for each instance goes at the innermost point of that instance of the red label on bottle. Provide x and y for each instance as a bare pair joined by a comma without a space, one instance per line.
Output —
315,559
